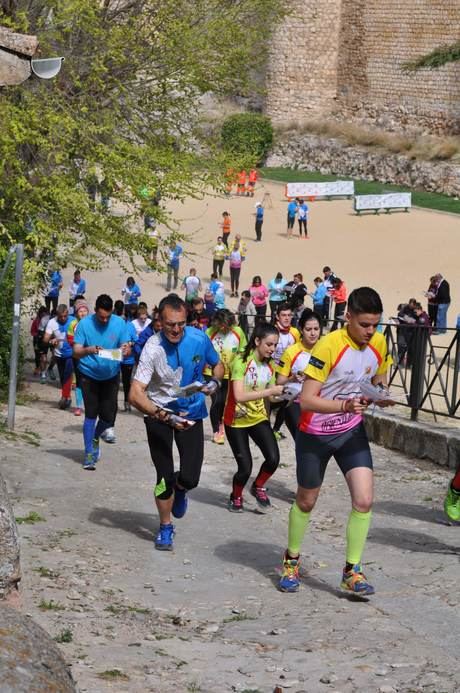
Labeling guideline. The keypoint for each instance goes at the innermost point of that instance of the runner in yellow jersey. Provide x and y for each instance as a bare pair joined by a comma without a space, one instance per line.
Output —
331,424
229,341
246,414
295,360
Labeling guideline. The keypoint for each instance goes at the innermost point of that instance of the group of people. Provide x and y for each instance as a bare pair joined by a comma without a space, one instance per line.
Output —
243,181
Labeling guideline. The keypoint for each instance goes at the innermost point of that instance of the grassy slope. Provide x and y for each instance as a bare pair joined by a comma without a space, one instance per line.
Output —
420,198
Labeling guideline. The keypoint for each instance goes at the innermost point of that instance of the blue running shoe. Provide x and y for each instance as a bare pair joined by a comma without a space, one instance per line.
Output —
180,503
290,581
89,462
96,450
164,538
355,582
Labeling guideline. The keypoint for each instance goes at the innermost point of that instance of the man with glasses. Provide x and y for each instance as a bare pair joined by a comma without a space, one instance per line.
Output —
170,361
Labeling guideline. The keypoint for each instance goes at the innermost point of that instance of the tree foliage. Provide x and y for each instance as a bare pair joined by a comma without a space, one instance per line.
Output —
248,135
123,109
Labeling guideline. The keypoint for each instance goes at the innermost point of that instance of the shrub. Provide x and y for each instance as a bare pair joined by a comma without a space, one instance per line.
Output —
247,135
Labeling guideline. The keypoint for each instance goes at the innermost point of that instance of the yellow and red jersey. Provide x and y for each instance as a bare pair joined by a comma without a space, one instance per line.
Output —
339,364
255,375
227,344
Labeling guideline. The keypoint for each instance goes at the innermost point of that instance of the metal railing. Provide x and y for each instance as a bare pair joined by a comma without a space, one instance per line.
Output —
426,369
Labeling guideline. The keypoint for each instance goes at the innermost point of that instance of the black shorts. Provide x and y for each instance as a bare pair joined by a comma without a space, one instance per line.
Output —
350,450
290,222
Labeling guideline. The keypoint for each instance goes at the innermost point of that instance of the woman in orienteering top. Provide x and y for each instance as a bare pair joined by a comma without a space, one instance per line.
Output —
294,362
252,383
229,341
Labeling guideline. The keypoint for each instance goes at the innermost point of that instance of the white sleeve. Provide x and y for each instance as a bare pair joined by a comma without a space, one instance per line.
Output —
146,366
50,327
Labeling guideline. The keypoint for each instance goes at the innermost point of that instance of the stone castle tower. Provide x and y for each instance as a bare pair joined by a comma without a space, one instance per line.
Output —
348,55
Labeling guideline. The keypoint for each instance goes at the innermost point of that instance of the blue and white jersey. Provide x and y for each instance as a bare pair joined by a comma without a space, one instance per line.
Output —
165,366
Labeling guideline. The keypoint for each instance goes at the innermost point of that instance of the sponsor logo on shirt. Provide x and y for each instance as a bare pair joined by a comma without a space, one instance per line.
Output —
316,363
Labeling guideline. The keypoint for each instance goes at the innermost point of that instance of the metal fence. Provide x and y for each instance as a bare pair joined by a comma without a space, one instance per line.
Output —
426,368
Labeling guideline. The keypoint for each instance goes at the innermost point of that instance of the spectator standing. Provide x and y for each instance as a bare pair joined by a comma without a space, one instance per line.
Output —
252,180
318,296
52,292
302,216
329,276
339,296
259,295
192,286
247,313
218,256
226,226
291,215
259,215
443,303
277,294
173,260
430,294
77,288
236,257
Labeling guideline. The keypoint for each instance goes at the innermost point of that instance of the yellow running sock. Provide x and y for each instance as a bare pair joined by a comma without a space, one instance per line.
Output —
298,524
357,529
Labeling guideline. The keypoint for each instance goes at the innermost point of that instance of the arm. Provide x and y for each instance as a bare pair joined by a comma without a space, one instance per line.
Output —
251,395
310,400
79,350
138,398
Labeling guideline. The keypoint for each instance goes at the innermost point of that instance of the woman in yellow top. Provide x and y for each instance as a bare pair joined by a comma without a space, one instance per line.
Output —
252,383
294,361
229,341
218,256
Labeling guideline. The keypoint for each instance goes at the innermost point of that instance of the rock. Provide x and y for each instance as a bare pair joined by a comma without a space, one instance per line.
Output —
381,672
278,631
10,571
328,678
387,689
28,654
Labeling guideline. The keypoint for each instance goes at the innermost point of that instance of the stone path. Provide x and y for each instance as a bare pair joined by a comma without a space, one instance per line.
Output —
208,617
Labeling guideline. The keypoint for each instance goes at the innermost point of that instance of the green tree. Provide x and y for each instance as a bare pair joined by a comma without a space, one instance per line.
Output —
124,113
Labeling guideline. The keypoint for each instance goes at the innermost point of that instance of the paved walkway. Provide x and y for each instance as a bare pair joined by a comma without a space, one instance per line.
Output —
208,617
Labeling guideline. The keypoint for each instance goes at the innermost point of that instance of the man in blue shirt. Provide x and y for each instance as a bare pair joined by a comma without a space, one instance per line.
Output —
174,253
291,214
171,360
101,341
52,292
259,220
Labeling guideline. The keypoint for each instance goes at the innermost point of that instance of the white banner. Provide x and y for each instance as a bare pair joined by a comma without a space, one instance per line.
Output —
388,201
335,188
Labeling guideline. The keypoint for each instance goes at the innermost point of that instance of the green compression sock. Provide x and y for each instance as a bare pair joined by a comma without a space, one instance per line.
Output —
298,524
357,529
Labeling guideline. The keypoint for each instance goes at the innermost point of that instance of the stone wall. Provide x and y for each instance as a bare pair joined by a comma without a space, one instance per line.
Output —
340,56
302,69
330,156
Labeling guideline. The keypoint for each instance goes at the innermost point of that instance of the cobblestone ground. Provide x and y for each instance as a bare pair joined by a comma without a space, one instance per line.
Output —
208,616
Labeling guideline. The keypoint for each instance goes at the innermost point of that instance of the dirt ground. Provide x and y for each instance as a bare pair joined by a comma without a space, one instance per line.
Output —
394,253
208,617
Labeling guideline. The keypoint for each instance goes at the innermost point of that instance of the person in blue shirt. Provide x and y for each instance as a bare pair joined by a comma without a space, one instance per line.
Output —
131,292
292,209
318,296
128,362
170,360
56,335
53,289
302,216
101,341
276,294
174,253
77,288
259,214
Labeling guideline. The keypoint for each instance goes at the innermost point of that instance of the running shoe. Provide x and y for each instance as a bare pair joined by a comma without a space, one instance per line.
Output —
108,436
219,438
180,502
279,435
127,406
260,494
235,504
62,403
289,581
89,462
164,538
51,374
77,411
96,450
355,582
43,378
452,504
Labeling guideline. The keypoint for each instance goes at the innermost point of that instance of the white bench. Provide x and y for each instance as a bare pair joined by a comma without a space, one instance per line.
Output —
385,203
335,188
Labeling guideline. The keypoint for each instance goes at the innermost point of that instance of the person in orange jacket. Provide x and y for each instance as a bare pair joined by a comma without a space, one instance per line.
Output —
241,183
252,179
339,295
226,226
